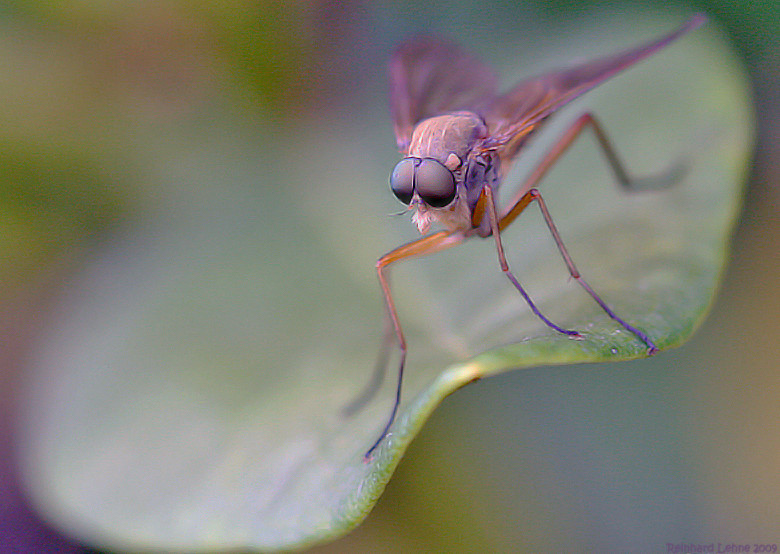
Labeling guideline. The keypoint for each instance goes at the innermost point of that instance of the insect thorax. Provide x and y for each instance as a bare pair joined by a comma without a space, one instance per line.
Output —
440,136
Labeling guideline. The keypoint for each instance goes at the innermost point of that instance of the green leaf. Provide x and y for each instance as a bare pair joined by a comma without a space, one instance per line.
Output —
188,393
51,198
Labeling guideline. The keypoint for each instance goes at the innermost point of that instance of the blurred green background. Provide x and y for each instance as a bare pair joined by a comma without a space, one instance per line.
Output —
617,458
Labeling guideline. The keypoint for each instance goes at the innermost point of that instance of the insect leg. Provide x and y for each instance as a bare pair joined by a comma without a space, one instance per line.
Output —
653,182
586,119
535,195
426,245
496,230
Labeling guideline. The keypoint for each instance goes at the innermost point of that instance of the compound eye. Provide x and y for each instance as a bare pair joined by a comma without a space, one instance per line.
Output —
402,180
435,183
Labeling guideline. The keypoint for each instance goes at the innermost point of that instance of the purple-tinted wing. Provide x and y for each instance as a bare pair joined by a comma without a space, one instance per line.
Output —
513,115
431,76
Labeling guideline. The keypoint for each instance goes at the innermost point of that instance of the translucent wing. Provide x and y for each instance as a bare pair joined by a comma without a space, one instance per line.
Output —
513,115
431,76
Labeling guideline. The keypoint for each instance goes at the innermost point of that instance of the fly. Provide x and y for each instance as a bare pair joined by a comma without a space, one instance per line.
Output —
458,138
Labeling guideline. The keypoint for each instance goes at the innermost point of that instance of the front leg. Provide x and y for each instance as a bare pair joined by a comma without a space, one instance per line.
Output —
495,226
534,195
423,246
